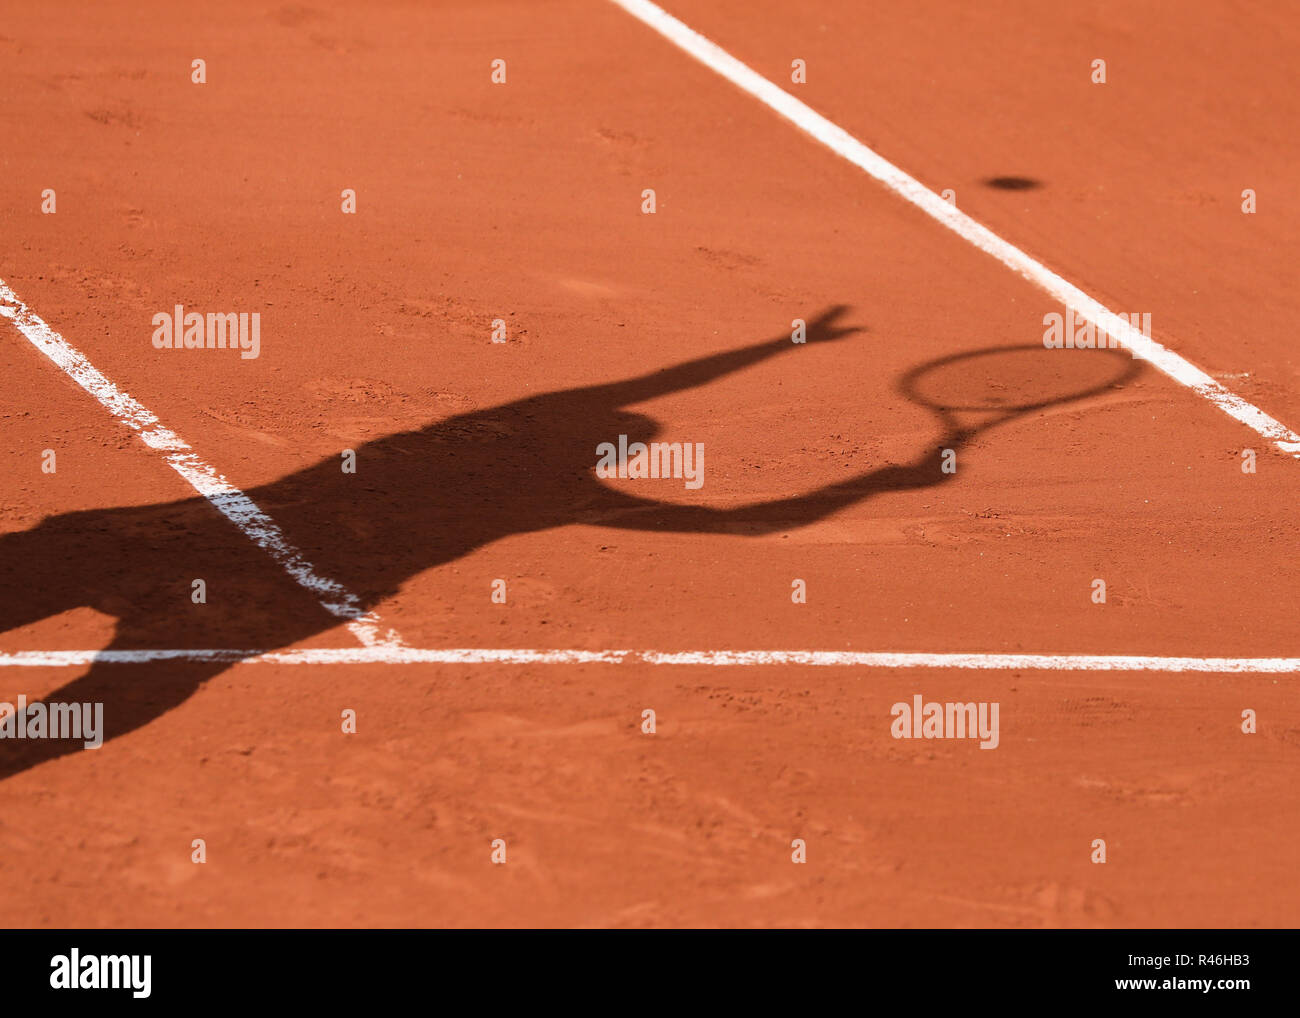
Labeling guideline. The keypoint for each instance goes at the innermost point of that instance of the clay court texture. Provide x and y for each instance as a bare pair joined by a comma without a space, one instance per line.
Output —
399,506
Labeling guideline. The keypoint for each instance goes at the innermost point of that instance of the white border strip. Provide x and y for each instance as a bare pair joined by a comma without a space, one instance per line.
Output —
844,144
232,503
402,655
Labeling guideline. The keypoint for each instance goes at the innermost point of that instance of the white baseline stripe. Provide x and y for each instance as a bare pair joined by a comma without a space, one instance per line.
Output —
402,655
224,496
844,144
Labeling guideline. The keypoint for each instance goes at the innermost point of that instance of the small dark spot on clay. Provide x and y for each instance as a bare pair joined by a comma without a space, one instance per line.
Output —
1013,183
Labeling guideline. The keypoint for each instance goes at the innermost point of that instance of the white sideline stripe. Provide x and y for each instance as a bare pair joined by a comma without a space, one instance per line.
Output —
224,496
844,144
393,654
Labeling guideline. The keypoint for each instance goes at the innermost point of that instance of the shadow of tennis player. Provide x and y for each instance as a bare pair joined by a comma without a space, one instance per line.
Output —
419,498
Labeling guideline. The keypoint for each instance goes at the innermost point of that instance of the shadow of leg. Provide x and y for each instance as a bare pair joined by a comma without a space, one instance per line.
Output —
132,696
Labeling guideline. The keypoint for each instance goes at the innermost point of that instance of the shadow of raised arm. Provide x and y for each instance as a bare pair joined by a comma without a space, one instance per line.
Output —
702,370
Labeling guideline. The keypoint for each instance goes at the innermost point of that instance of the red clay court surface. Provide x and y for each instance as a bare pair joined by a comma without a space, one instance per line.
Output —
522,201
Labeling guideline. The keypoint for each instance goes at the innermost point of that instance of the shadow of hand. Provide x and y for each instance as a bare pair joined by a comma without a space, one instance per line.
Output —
823,329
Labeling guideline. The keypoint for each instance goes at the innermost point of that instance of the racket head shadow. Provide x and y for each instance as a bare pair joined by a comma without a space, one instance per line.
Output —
1012,380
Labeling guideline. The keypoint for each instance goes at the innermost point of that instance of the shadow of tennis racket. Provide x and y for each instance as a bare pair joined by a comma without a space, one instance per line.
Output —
977,390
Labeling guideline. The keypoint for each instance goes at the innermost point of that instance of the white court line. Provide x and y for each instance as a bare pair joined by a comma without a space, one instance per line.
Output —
402,655
844,144
224,496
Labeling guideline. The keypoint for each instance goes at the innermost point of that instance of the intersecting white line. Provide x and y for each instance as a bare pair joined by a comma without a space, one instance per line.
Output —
256,525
